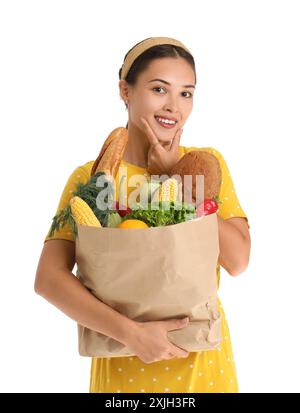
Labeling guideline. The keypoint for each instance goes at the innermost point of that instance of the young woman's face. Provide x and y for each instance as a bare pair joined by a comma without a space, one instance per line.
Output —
151,98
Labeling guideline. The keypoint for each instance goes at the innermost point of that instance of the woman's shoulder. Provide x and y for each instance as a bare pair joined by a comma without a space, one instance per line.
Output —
82,172
87,167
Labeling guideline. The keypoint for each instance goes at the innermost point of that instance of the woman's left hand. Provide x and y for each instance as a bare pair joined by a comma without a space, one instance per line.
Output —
161,156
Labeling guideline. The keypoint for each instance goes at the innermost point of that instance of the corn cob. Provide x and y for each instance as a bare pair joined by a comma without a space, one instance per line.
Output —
82,213
169,190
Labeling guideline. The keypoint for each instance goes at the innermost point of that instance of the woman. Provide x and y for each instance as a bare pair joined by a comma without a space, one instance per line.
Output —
157,82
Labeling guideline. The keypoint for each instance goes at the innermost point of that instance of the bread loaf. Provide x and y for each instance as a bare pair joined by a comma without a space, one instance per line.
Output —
200,163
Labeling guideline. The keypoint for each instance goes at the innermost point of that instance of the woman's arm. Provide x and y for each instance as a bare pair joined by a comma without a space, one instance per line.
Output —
235,244
55,282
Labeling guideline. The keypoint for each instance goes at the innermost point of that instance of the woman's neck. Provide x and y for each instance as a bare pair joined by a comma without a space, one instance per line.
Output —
137,148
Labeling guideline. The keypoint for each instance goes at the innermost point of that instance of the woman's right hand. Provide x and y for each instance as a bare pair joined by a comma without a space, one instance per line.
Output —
149,340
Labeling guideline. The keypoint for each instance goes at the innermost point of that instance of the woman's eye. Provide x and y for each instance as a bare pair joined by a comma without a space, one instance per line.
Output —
191,95
156,88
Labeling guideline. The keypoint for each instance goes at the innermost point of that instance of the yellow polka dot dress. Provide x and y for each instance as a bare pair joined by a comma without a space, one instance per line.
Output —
210,371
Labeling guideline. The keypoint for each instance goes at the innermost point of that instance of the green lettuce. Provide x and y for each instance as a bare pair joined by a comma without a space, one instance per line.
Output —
165,213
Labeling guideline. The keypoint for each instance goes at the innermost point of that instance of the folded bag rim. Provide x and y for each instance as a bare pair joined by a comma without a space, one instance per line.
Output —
158,228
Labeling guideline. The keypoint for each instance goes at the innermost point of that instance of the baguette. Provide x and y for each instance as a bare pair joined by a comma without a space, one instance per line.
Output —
111,153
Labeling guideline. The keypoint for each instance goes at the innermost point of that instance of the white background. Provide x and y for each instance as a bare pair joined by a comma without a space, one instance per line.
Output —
59,99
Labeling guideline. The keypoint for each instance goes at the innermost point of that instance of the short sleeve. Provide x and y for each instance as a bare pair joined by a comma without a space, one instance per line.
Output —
78,175
230,206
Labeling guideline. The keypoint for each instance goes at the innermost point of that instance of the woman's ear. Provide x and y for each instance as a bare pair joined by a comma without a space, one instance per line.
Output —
124,90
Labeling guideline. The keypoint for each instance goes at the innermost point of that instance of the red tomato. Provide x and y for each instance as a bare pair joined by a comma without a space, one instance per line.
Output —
210,206
122,212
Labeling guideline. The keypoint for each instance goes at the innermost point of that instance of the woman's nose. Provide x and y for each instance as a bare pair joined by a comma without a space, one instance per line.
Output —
172,106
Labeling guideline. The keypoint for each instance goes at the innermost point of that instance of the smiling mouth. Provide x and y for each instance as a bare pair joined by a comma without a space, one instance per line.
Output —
164,124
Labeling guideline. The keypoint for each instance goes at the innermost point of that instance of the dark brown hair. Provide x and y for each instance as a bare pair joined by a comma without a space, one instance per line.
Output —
143,61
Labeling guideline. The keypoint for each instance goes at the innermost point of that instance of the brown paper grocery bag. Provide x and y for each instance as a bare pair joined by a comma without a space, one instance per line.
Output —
152,274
